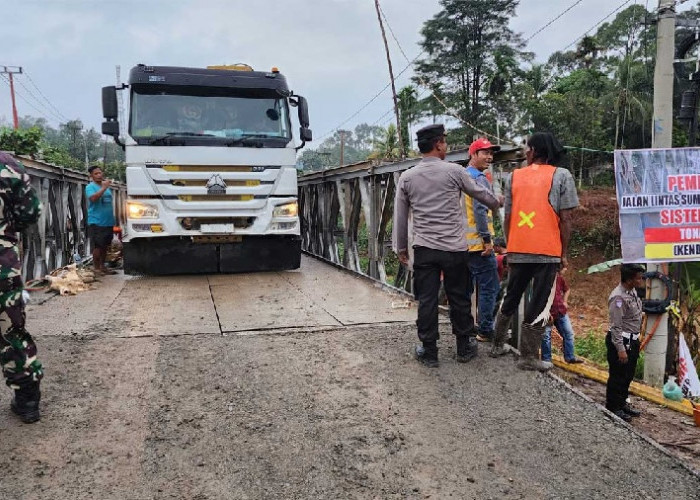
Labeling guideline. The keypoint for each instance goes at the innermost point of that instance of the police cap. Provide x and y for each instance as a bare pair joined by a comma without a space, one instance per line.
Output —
430,132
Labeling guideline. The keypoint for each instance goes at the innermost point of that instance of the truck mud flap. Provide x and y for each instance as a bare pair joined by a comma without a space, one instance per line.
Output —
162,256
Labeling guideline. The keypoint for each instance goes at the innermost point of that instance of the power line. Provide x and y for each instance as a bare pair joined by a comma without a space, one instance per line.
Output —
38,101
552,21
44,96
597,24
370,101
26,101
422,82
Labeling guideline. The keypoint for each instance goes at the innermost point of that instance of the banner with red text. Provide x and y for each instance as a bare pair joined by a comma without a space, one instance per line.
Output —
658,192
687,374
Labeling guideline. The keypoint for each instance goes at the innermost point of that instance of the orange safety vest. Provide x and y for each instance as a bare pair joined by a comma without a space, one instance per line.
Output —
534,225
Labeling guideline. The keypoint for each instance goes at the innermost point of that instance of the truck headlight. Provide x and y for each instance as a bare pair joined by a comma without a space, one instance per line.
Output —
136,210
286,210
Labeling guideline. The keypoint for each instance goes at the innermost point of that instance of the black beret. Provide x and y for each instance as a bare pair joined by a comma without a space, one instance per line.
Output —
430,132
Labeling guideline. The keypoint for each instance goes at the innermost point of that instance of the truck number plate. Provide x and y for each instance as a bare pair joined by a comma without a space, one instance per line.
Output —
216,228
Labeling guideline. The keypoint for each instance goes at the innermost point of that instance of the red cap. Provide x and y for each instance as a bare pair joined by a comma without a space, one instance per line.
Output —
480,144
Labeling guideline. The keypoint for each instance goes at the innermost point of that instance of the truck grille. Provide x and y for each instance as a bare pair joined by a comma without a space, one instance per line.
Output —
194,223
203,182
206,168
215,197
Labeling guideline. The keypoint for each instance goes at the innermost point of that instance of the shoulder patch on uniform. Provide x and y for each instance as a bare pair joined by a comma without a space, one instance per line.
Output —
618,302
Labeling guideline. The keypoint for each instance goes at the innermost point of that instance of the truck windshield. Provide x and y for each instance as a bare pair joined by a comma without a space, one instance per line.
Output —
214,119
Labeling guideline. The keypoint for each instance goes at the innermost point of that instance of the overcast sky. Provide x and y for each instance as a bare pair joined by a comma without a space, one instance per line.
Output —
331,51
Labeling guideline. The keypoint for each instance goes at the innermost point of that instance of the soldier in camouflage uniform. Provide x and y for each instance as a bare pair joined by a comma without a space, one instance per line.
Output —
22,370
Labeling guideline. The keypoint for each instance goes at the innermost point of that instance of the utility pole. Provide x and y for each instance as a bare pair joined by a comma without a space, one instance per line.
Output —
391,76
662,128
342,147
10,71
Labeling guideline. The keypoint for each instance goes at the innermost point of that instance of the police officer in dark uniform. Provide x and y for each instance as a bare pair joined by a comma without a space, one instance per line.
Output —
622,341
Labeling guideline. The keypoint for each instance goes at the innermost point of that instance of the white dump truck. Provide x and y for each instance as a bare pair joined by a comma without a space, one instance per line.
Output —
211,169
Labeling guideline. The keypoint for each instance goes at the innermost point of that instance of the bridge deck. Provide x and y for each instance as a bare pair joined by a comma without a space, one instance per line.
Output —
298,385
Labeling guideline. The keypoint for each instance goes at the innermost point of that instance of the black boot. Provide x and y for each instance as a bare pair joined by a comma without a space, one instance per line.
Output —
25,404
427,354
500,335
467,348
530,349
632,412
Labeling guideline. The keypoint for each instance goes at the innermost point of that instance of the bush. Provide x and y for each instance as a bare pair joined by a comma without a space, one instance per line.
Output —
592,347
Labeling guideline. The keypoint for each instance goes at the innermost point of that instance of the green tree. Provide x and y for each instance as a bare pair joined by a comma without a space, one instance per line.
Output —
408,113
461,41
386,147
357,147
20,141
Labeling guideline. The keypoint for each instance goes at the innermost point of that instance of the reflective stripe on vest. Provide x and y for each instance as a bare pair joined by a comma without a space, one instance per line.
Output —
534,225
474,240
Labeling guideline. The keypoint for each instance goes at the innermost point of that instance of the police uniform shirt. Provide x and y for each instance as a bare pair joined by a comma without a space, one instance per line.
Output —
625,310
432,191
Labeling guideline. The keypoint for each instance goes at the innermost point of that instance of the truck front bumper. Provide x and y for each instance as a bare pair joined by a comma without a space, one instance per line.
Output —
180,255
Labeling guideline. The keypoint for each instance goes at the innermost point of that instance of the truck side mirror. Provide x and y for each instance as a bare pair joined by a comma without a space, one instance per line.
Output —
111,128
110,110
303,112
110,107
305,134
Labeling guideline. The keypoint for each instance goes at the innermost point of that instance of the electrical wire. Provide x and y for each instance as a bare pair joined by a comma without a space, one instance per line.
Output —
38,101
336,128
448,110
596,25
552,21
6,81
44,96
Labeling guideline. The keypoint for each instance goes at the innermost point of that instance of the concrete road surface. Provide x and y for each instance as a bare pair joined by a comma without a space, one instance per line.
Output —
297,385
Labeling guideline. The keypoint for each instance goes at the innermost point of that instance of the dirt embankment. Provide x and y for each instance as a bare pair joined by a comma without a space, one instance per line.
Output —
595,239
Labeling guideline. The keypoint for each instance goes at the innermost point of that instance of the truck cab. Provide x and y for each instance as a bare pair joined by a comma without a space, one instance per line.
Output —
211,169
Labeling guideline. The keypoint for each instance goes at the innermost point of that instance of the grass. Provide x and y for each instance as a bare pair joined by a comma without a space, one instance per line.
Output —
592,346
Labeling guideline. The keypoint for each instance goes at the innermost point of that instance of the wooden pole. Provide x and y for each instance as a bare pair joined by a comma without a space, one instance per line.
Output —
391,76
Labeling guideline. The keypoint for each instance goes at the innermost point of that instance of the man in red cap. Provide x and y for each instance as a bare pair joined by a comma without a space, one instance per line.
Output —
480,234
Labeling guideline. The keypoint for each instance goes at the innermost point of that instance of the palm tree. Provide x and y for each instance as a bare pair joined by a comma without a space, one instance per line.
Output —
408,112
387,146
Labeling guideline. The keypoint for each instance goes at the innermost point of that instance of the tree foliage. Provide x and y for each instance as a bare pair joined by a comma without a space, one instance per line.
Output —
70,145
357,146
597,96
471,55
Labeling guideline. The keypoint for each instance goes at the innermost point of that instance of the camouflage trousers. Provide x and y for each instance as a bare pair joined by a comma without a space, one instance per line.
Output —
20,365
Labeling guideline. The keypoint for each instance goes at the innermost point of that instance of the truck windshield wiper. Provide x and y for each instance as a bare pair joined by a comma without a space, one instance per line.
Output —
248,142
165,139
190,134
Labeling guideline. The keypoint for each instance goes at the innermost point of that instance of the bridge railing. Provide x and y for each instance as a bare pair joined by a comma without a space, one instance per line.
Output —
339,206
62,228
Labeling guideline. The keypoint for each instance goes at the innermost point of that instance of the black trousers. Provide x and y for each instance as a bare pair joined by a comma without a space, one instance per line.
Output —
519,277
620,375
428,264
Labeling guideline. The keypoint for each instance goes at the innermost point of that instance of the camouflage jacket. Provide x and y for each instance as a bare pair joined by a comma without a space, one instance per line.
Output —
20,205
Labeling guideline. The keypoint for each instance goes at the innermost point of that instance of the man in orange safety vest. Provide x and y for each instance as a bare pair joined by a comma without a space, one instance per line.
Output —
539,201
